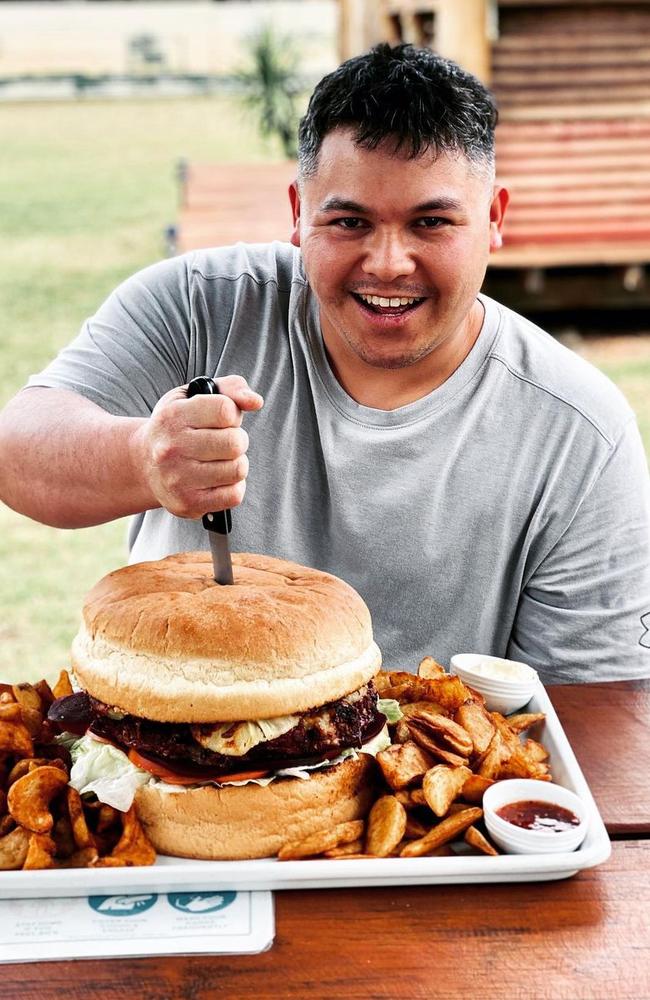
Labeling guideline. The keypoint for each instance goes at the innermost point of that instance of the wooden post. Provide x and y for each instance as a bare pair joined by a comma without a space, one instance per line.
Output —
461,34
362,23
460,28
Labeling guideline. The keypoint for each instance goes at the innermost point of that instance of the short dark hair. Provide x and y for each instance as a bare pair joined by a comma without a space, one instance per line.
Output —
410,94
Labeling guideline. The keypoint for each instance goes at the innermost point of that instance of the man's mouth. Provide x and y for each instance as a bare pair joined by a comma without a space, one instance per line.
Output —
383,306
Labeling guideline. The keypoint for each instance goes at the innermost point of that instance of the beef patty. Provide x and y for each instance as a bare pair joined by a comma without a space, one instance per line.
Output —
319,734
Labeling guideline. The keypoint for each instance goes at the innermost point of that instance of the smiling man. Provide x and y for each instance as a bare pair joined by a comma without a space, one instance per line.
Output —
481,486
396,247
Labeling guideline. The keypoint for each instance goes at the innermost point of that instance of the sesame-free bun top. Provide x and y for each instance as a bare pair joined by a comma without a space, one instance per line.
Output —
163,641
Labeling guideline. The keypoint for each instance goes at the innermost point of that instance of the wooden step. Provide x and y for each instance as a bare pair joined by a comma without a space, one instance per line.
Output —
571,57
614,128
552,182
562,41
526,150
559,162
571,255
572,76
560,229
520,214
577,110
562,197
561,94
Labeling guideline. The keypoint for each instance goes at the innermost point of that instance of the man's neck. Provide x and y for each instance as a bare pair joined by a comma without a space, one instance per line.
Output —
389,389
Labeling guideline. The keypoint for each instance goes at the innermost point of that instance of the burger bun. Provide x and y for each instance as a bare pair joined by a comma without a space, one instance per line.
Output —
253,821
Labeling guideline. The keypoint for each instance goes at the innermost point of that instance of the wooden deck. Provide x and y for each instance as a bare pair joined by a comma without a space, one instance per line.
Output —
222,203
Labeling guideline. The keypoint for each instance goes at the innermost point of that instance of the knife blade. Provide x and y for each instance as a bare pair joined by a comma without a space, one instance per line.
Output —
218,524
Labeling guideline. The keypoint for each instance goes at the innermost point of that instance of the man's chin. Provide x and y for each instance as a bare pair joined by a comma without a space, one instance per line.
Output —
389,358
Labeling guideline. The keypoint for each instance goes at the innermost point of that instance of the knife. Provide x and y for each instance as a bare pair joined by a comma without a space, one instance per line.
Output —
218,524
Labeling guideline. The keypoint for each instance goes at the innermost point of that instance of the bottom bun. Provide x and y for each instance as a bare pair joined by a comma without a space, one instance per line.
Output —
254,821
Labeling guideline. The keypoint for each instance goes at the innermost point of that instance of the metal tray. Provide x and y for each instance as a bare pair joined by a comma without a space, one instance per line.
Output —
170,874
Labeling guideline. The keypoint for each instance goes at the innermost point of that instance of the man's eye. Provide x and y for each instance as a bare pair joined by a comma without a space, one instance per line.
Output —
348,222
431,222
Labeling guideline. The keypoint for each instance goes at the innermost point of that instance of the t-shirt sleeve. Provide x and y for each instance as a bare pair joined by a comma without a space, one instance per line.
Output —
136,346
585,612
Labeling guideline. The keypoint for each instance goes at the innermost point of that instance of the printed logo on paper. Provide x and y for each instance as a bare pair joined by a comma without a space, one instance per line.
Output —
645,638
122,906
200,902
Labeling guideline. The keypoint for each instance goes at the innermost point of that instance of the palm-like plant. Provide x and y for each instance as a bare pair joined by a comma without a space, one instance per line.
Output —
271,85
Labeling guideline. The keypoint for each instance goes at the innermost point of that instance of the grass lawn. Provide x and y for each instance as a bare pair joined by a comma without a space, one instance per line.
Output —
86,190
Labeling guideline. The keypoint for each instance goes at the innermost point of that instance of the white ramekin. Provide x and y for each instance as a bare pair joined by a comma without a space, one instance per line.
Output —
501,694
517,840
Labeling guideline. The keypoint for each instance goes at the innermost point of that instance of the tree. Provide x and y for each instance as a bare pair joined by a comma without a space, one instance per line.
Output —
271,85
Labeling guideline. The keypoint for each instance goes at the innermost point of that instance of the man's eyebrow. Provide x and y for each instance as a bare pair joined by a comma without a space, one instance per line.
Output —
439,205
335,204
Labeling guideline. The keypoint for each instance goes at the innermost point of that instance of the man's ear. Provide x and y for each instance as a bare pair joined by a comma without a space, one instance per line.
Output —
500,199
294,198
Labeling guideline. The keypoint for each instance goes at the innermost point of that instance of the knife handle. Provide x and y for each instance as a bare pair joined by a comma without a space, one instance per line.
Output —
218,520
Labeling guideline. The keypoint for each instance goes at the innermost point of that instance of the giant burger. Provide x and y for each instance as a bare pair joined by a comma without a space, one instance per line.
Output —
235,716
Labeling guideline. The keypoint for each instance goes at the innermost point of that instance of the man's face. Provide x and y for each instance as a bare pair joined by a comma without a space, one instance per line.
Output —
415,233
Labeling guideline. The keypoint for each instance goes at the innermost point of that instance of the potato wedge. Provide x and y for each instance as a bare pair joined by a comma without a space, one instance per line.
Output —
442,784
322,840
385,827
429,668
403,764
476,839
476,721
445,831
525,720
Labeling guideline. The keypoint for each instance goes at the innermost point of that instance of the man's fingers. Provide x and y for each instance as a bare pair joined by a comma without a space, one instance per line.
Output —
195,449
238,389
207,445
199,502
226,408
210,475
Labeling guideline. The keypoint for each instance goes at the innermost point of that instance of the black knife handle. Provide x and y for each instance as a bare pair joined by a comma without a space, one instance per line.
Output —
218,520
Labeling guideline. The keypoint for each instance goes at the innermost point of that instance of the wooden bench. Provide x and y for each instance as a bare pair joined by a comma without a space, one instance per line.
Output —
222,203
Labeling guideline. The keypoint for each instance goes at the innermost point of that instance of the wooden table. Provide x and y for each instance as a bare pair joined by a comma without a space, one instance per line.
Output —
586,937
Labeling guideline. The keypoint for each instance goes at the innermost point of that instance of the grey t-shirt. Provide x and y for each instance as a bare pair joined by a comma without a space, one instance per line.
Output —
506,512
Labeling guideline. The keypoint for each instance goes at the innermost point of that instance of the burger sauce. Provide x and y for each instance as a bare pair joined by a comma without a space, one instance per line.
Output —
544,816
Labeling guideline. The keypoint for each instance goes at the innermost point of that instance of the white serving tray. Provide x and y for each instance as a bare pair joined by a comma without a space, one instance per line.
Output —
170,874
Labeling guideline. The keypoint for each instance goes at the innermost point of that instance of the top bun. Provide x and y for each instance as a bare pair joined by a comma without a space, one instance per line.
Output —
163,641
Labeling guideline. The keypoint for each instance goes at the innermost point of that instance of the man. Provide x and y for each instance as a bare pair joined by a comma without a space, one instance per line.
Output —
482,487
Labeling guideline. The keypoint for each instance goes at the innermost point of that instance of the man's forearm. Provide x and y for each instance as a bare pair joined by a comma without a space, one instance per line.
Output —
66,462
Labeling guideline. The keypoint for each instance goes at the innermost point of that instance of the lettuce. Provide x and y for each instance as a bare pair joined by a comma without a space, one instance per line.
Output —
390,708
103,769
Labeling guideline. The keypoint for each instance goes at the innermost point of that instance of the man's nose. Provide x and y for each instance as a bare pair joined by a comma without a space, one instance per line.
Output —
388,256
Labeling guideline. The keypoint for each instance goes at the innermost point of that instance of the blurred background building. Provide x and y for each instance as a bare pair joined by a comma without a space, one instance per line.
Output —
572,82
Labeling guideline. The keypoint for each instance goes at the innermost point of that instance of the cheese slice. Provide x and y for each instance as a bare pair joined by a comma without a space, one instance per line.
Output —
234,739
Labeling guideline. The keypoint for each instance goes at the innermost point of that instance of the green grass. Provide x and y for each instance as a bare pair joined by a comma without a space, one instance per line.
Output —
85,192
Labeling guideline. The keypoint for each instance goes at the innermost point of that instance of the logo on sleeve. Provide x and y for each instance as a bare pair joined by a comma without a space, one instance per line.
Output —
645,638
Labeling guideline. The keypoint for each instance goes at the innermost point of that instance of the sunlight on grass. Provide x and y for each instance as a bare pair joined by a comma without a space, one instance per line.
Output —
86,190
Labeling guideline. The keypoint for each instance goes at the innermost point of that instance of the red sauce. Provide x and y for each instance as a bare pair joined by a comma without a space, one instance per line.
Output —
545,816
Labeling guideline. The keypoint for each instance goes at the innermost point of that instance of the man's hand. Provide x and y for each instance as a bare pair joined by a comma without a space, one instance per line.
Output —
193,451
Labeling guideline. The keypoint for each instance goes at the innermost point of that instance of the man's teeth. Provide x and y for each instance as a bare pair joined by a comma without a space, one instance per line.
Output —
377,300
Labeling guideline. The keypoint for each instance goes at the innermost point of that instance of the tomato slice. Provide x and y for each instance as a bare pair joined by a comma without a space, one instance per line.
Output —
168,774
